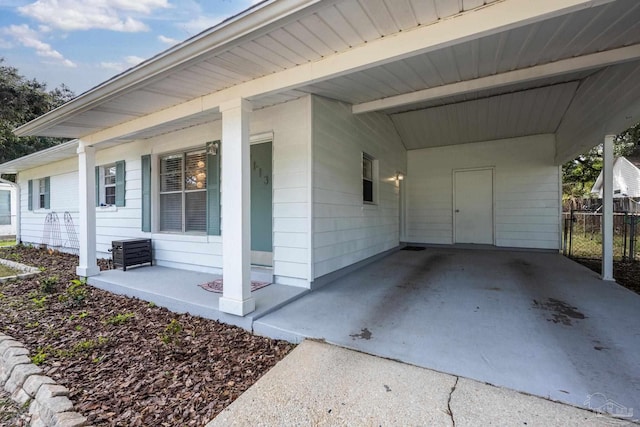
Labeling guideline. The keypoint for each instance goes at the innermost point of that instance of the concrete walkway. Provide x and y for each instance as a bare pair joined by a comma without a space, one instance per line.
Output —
322,385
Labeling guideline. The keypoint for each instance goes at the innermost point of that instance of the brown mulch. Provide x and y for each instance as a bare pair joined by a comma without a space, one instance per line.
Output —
626,273
12,414
127,362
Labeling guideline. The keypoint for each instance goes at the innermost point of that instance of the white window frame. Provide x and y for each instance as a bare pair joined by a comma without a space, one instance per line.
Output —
183,191
371,177
41,194
102,187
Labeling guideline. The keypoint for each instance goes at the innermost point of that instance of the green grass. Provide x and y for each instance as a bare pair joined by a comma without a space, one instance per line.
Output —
7,271
590,246
7,243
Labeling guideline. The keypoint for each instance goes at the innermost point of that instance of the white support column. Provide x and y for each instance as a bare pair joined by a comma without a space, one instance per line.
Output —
607,209
87,211
236,209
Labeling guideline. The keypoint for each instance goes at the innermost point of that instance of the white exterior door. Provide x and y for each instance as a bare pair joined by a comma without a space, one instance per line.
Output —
473,206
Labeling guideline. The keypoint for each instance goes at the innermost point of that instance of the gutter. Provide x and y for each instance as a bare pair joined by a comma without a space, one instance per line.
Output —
214,40
18,206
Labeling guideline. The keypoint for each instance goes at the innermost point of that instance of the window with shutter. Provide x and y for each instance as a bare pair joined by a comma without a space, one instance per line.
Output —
183,192
109,182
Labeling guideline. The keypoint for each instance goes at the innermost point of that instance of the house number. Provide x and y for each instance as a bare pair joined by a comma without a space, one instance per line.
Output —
265,179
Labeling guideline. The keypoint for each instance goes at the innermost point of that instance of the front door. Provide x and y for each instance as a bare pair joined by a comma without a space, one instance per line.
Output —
473,206
261,205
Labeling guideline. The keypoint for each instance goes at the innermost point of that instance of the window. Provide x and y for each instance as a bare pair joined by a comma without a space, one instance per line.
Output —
39,194
5,207
109,182
368,178
183,192
42,193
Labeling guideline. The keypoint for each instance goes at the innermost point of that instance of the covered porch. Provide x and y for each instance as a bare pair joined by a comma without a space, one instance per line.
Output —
179,291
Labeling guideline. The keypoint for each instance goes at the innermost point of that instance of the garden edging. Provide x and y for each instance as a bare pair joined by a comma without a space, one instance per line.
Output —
50,405
27,271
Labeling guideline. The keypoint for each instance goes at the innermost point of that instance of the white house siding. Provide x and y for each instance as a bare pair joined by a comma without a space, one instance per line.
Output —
63,198
289,124
526,190
346,230
122,222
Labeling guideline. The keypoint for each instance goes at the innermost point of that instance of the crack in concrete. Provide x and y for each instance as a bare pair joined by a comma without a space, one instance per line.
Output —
449,411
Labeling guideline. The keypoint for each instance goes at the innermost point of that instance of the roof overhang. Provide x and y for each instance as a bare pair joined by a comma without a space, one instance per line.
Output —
56,153
573,60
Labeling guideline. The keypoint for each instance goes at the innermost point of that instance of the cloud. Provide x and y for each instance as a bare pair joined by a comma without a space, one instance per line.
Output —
74,15
167,40
128,62
5,44
27,37
201,23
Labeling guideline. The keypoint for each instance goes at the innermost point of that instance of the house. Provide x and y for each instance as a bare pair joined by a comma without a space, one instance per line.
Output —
626,179
312,136
8,209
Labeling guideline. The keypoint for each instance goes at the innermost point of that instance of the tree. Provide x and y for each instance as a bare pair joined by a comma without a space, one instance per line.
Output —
579,174
21,101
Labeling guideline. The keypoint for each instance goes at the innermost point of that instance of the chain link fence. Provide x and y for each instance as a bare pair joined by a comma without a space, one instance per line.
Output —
582,235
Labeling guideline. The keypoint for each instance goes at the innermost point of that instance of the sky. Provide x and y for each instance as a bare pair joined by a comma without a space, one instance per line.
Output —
81,43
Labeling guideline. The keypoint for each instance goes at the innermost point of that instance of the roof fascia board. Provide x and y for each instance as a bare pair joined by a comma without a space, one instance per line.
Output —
580,63
494,18
222,37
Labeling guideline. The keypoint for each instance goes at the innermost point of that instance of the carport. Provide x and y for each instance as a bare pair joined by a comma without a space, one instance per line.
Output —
532,321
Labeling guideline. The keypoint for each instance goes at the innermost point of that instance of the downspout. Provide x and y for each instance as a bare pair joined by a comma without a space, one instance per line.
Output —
18,205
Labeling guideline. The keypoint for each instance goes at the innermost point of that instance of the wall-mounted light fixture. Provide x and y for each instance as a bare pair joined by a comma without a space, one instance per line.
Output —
399,176
212,148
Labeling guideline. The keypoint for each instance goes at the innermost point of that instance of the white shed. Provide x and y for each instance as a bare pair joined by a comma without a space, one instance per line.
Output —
626,179
8,209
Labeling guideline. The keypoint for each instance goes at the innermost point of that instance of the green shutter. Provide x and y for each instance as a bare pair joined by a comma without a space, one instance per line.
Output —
97,185
30,199
213,188
120,183
47,193
146,192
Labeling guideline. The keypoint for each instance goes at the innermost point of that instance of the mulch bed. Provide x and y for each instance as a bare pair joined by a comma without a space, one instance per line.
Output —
626,273
127,362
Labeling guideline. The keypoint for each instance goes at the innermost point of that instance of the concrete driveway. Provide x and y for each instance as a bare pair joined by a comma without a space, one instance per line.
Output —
531,321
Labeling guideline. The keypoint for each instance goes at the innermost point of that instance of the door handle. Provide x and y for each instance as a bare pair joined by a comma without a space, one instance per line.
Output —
457,210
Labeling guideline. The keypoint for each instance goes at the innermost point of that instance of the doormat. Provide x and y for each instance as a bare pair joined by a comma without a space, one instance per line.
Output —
414,248
216,285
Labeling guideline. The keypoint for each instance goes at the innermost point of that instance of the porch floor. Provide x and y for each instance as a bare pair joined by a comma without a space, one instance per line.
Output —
178,291
531,321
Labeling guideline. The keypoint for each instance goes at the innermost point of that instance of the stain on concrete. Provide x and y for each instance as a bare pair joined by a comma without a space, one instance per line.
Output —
600,347
523,267
560,311
387,388
365,334
494,288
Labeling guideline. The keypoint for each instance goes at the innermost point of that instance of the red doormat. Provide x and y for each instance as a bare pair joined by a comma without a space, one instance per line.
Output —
216,285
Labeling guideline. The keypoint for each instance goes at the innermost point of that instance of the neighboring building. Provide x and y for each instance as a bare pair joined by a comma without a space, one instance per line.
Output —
8,210
626,179
279,137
